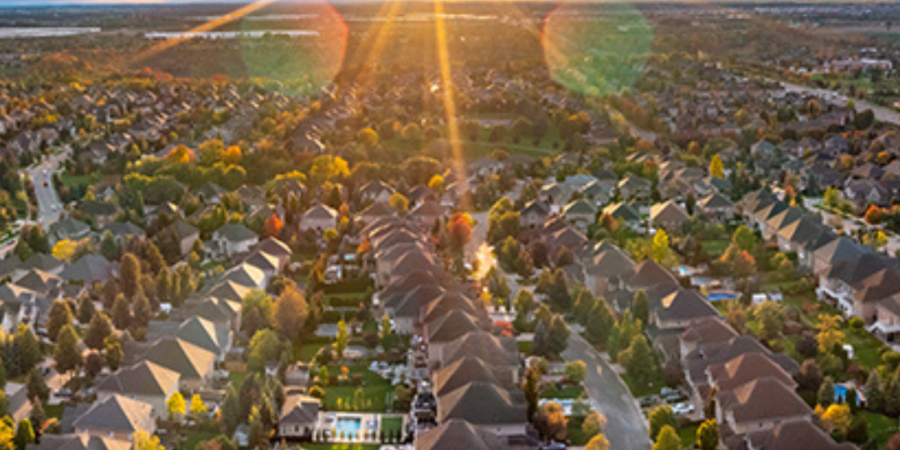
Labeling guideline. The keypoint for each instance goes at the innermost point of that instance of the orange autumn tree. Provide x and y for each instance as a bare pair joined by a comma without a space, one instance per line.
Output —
460,228
273,226
874,215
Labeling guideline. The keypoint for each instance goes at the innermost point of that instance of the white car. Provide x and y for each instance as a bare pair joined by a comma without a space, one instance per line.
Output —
682,408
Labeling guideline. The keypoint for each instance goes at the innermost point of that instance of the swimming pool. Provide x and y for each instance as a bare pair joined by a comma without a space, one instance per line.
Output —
840,394
716,296
350,426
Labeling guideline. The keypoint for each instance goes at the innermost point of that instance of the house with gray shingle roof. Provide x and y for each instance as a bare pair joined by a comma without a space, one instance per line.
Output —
486,405
457,434
79,442
194,364
117,417
716,207
319,218
299,415
90,268
669,216
208,335
233,239
145,381
580,213
68,228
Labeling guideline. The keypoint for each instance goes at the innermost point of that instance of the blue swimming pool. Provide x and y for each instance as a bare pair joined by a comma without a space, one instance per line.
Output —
716,296
349,425
840,394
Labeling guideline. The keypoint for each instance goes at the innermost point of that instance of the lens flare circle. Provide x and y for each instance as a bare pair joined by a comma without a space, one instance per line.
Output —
596,49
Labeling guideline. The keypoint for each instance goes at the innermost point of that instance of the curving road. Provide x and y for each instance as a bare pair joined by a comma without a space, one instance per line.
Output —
625,428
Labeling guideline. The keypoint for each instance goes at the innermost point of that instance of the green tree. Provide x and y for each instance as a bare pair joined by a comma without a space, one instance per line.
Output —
113,352
24,434
875,392
708,435
593,424
142,311
59,316
639,362
744,239
576,371
86,310
770,315
668,439
121,313
176,406
67,354
97,331
29,348
641,308
661,417
599,322
532,389
36,386
130,275
825,396
265,346
259,430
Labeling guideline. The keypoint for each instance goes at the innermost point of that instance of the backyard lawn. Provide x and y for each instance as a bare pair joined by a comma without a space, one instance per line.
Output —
391,426
307,352
688,434
881,427
377,393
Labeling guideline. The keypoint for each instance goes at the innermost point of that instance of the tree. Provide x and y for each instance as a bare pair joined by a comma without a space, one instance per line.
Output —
532,389
771,319
825,395
716,168
67,354
576,371
593,424
59,316
257,311
399,202
744,239
176,405
36,386
121,313
142,310
875,393
342,338
291,311
659,249
641,308
97,331
708,435
24,434
144,441
598,442
460,230
838,417
638,361
273,226
64,250
661,417
113,352
829,332
86,309
130,275
265,346
557,336
668,439
198,408
37,417
28,347
551,422
259,430
599,323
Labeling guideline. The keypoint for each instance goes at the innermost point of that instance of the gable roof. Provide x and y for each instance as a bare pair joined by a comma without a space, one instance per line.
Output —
115,414
649,273
715,200
235,232
462,372
189,360
143,378
746,368
451,326
765,398
89,268
683,304
457,434
483,403
793,435
668,211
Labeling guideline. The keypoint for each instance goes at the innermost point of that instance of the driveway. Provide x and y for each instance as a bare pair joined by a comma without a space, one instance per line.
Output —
625,426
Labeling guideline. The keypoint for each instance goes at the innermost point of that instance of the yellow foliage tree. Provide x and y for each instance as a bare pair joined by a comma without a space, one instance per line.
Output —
838,417
598,442
197,406
716,168
829,332
65,249
176,405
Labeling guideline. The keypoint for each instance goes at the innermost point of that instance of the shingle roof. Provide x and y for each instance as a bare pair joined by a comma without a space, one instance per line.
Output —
462,372
143,378
482,403
235,232
189,360
115,414
451,326
683,304
89,268
746,368
456,435
766,398
668,211
794,435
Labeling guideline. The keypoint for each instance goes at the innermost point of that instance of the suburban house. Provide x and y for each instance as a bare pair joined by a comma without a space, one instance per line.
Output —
299,415
485,405
716,207
669,216
144,381
115,417
233,239
761,404
319,218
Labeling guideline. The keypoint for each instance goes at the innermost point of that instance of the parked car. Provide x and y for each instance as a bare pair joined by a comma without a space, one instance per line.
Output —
682,408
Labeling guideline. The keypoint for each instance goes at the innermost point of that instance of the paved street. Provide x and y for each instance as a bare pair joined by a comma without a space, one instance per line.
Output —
50,208
625,427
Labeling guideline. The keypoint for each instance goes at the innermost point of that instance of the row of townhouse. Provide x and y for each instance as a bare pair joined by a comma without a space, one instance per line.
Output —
857,280
467,372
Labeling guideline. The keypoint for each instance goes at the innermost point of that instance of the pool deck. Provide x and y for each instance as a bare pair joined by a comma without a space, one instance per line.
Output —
367,433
